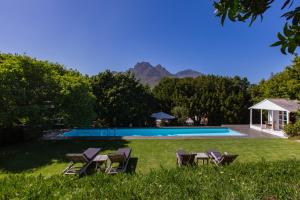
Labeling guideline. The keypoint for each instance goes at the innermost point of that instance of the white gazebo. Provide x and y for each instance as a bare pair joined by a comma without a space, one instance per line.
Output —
278,116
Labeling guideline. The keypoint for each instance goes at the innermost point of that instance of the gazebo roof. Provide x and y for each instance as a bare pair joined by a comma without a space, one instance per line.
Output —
278,104
162,115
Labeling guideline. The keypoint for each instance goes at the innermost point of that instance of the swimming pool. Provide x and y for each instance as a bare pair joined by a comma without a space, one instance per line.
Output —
137,132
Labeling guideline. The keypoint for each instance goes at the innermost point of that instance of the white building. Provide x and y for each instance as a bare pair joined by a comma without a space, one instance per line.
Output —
278,115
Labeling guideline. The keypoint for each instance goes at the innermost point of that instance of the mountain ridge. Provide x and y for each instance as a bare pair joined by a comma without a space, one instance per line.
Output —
151,75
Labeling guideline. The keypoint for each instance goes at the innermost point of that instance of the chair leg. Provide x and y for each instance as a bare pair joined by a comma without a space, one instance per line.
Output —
84,168
108,168
69,167
124,167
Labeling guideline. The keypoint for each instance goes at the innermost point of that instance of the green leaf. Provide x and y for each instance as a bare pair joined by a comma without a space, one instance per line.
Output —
281,37
245,16
292,47
275,44
231,15
253,19
287,31
285,4
283,49
223,18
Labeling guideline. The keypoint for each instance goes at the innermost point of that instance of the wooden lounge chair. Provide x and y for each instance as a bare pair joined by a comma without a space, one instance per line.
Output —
86,158
121,157
185,159
221,159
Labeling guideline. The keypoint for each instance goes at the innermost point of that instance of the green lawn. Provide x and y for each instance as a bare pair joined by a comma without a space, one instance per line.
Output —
47,157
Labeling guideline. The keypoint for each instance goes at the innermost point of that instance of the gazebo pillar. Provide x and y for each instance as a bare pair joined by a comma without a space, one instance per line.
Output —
272,119
261,126
250,116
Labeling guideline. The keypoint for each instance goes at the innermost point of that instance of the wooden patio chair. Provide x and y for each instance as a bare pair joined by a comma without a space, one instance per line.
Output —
86,158
185,159
121,157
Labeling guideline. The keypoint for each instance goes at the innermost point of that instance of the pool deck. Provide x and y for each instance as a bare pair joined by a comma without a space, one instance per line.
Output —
242,128
251,133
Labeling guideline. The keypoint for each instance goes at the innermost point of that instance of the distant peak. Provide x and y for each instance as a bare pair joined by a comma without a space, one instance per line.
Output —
161,68
144,64
147,73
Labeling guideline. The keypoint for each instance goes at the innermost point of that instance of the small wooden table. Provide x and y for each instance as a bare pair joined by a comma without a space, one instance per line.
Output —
99,160
202,156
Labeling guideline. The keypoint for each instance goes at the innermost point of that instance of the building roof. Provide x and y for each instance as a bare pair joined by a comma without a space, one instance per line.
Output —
278,104
162,115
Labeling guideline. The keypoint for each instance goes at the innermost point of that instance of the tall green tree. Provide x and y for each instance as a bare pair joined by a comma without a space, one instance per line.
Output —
285,84
76,102
34,93
121,100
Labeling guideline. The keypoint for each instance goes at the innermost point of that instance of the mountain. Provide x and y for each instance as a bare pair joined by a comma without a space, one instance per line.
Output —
188,73
148,74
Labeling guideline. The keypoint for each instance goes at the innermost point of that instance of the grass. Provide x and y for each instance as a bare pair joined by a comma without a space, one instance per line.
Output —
47,157
261,180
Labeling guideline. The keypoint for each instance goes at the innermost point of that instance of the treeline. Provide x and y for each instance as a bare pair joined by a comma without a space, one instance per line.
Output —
285,84
39,94
36,93
215,98
225,100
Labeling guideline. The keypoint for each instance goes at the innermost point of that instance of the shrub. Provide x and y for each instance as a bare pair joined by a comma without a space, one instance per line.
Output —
18,134
11,135
272,180
181,113
292,129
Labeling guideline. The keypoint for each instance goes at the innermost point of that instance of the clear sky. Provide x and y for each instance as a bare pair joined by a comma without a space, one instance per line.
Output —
92,36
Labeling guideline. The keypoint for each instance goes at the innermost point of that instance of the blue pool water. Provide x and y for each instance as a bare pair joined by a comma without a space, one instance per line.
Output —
151,132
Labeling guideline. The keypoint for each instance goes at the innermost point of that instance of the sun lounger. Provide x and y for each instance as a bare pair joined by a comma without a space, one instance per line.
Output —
185,159
221,159
121,157
86,158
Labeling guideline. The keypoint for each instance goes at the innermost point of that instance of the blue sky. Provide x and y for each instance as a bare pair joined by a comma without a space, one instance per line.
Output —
92,36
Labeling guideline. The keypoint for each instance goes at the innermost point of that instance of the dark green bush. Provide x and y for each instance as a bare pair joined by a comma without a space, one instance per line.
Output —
19,134
274,180
11,135
292,129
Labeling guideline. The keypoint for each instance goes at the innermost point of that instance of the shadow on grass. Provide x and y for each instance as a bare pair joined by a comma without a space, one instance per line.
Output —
132,165
35,154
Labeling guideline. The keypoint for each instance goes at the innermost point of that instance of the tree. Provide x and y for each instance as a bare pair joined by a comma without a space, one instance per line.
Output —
241,10
76,103
181,114
285,84
121,100
220,99
33,92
